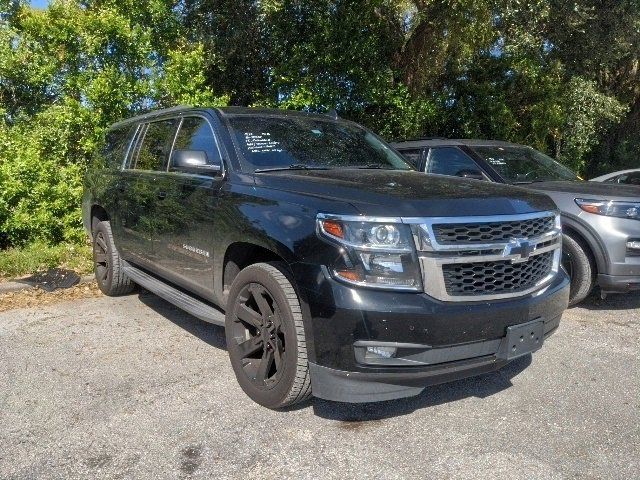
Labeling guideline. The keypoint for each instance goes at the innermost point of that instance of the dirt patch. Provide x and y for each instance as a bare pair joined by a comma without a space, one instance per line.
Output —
36,296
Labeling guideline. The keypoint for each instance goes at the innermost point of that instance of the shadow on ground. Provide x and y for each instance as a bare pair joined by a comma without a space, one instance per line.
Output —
207,332
614,301
353,416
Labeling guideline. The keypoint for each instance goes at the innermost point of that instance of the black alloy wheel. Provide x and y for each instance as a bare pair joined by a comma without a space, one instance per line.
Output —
265,336
257,330
107,263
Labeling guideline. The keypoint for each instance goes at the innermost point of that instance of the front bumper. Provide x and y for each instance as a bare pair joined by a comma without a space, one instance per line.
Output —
453,340
361,387
619,283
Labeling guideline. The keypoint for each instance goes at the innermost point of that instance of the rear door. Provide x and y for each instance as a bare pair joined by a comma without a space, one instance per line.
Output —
139,211
187,229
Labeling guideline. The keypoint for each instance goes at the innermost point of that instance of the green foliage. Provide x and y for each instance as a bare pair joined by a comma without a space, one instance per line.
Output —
38,256
66,73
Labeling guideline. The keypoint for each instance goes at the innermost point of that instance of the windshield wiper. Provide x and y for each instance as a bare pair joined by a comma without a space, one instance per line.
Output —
529,182
293,166
374,166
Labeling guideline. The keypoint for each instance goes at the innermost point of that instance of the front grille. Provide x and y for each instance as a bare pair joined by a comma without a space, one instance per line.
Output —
485,278
489,232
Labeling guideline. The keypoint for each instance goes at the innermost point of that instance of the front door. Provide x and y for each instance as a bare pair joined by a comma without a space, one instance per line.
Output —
187,231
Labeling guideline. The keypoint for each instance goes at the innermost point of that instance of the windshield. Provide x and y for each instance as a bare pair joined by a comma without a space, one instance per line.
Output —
524,164
279,142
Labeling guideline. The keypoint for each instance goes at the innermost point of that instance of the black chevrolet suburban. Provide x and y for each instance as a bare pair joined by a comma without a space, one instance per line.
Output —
336,269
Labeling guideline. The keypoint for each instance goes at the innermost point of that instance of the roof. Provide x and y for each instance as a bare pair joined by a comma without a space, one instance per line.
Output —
438,142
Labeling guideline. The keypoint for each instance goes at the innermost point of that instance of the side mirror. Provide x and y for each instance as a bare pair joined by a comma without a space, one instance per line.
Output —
474,174
193,161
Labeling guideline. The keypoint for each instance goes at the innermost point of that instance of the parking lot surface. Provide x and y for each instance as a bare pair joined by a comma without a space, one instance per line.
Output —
134,388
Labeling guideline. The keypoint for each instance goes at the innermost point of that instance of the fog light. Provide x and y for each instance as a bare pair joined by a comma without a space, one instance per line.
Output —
380,352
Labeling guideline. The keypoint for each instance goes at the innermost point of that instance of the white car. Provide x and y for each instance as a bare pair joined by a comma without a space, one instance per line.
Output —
627,177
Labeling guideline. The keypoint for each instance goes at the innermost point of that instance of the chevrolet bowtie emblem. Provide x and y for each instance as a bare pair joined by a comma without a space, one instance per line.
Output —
519,250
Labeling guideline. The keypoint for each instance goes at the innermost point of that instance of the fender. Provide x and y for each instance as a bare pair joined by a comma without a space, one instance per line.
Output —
591,237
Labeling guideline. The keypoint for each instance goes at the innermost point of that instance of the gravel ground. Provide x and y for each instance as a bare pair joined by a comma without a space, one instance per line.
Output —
134,388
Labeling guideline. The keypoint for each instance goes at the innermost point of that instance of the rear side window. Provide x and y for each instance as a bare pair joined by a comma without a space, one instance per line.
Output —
156,144
116,144
451,161
196,134
627,179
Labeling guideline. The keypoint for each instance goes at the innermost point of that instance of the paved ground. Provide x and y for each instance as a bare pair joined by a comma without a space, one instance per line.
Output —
133,388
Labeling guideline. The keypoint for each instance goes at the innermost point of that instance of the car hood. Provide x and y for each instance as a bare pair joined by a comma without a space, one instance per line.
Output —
593,190
407,194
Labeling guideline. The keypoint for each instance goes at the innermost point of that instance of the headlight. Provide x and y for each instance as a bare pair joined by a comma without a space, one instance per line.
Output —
611,208
373,254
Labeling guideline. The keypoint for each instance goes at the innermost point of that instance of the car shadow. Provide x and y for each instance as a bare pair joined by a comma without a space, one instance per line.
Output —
614,301
207,332
351,415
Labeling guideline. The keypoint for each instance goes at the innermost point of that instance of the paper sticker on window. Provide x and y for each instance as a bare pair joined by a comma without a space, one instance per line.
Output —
261,143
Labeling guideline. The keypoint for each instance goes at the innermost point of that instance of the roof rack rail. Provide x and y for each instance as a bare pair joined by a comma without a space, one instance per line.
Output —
417,139
152,113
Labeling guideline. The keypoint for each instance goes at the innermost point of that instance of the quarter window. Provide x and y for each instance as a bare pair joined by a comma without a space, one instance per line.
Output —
156,144
195,134
413,156
115,146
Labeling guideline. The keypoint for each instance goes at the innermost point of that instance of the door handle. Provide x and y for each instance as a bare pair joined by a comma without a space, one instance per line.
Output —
162,195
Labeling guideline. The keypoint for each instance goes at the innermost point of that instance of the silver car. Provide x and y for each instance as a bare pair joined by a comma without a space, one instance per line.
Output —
624,177
601,221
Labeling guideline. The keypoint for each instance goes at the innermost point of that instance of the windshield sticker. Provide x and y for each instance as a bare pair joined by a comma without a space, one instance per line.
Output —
496,161
261,143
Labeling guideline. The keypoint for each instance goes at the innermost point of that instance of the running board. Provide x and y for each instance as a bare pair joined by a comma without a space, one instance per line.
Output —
180,299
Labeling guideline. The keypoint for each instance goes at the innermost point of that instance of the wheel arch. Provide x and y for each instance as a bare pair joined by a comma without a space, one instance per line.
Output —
98,214
241,254
582,233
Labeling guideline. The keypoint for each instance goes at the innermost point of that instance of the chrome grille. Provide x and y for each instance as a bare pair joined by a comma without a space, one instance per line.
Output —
476,279
488,232
487,258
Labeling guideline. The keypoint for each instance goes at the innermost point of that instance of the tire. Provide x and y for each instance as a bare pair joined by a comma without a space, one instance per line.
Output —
265,336
580,267
107,263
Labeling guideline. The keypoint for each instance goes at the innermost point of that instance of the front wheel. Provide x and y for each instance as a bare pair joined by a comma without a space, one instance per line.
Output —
580,268
265,336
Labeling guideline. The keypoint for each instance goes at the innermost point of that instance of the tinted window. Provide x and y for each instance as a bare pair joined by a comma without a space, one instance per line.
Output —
524,164
156,145
412,156
116,144
451,161
195,134
271,142
629,178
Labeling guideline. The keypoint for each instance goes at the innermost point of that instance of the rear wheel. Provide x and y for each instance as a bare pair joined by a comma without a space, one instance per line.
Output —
265,336
580,267
110,276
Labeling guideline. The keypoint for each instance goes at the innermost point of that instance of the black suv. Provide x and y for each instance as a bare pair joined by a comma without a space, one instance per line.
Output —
334,267
600,221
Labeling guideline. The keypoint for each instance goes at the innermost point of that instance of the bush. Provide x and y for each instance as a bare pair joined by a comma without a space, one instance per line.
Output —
41,177
35,257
